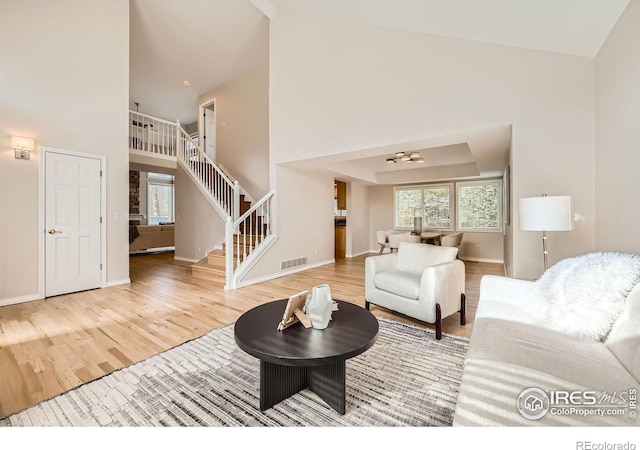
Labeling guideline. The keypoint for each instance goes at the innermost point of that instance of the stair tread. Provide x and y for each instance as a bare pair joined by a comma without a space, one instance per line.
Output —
204,266
208,270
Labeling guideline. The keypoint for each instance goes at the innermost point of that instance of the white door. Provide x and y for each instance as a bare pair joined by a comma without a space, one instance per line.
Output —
210,131
72,219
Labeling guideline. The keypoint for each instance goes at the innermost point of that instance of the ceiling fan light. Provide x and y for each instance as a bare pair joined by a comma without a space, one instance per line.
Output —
405,158
414,155
399,154
391,161
419,160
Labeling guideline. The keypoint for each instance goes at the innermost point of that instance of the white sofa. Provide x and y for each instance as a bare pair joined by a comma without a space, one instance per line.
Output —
422,281
513,348
153,236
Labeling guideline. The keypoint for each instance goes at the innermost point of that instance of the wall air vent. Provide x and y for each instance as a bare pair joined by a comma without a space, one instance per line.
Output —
285,265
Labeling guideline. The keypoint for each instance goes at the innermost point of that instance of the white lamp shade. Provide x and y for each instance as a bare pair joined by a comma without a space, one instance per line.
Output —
553,213
22,143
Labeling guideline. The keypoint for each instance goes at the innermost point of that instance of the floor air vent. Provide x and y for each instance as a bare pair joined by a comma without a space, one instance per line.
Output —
284,265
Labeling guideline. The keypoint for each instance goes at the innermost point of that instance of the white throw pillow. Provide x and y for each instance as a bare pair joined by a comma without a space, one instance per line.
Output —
583,296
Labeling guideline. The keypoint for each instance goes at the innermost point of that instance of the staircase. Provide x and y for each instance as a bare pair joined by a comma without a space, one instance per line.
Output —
248,228
213,267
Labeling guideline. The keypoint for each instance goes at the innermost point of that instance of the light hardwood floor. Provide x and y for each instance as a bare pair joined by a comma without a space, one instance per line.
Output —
50,346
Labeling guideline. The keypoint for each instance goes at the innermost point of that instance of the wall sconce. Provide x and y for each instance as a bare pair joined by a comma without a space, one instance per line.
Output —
23,146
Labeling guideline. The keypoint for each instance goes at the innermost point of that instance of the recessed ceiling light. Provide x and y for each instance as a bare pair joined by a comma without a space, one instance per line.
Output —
186,83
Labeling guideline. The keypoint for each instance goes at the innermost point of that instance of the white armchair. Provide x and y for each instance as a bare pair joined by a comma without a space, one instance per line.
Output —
422,281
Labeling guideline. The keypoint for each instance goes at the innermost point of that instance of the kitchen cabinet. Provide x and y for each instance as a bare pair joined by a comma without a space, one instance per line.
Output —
340,241
341,194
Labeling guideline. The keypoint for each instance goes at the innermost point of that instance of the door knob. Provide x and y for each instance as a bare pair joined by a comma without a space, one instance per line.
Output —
52,231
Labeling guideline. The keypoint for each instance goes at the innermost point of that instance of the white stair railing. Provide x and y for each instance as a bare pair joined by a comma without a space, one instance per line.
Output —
245,237
152,135
166,139
217,186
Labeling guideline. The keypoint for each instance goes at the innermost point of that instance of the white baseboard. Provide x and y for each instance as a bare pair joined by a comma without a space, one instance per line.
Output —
19,299
117,282
485,260
366,252
189,260
284,273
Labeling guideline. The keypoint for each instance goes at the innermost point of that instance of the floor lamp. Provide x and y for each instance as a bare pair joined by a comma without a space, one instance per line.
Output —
546,214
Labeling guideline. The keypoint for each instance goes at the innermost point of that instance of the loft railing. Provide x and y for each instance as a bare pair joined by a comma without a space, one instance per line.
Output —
162,138
152,135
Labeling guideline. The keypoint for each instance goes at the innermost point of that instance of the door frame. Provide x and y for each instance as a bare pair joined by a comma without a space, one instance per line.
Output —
202,125
42,151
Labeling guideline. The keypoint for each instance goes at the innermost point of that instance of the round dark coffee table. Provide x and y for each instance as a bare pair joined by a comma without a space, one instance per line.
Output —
299,357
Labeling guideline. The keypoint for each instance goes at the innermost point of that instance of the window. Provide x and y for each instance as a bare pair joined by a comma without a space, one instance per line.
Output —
479,205
160,198
433,203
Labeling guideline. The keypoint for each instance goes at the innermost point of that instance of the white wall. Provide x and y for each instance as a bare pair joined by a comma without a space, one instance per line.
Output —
242,129
618,136
199,229
339,87
486,247
304,221
65,83
357,219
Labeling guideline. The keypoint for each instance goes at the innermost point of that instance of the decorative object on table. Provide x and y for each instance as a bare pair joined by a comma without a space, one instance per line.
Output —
417,224
319,306
546,214
293,312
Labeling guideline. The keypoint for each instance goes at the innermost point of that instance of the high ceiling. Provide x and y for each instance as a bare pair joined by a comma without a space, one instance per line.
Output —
205,42
577,27
209,42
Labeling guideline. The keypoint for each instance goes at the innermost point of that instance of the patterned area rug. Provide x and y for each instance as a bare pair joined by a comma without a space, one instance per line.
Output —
407,378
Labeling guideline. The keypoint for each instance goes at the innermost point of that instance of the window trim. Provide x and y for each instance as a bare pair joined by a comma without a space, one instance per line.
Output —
495,181
162,182
452,211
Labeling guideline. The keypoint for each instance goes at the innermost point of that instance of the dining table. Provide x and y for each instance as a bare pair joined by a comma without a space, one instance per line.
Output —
430,237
